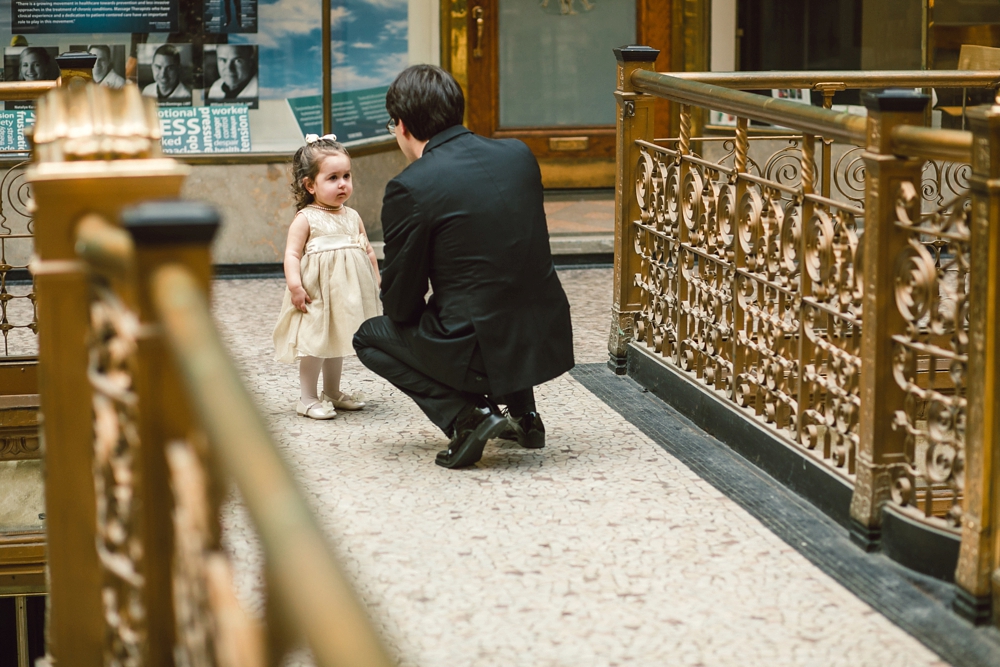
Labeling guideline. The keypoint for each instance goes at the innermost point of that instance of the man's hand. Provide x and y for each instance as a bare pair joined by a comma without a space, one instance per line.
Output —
300,298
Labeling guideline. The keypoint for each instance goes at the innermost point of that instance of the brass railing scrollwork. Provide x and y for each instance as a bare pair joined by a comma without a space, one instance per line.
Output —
931,356
116,452
847,305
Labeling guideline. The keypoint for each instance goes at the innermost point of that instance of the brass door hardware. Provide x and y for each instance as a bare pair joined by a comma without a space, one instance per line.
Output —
477,13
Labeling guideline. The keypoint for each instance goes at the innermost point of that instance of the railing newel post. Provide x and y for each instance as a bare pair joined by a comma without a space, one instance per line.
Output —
634,120
976,575
168,232
881,447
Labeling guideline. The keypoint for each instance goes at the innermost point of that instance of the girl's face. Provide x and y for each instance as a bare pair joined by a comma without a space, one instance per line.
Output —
332,186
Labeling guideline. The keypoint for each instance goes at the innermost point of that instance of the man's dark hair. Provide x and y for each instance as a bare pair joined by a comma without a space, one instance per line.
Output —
427,99
169,51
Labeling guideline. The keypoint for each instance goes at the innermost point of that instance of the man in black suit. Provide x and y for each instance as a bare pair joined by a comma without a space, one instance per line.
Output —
466,217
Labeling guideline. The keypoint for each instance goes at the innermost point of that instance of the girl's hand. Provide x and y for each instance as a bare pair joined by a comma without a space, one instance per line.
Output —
300,298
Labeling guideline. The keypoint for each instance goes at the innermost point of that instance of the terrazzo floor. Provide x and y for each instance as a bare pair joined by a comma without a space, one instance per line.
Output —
601,549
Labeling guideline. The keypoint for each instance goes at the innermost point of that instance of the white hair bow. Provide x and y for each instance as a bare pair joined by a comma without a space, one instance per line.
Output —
312,138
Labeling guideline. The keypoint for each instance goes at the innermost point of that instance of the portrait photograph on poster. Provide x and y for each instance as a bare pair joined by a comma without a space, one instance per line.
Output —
165,73
230,16
30,63
109,70
231,74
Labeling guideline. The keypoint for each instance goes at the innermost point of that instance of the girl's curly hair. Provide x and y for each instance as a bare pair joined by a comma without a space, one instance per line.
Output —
305,165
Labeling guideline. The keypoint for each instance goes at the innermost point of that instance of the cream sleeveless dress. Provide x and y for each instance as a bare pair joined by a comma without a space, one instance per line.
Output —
339,278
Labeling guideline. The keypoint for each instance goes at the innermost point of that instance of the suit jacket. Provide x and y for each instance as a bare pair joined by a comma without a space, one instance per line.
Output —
467,217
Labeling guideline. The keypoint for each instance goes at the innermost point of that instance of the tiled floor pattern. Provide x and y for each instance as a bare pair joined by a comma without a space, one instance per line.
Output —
601,549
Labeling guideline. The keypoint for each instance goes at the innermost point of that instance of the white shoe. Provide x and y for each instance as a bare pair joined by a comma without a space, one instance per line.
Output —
346,402
316,410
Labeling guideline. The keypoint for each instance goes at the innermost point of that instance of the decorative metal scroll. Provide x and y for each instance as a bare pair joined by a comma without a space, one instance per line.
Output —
940,181
17,303
930,358
116,451
212,628
748,284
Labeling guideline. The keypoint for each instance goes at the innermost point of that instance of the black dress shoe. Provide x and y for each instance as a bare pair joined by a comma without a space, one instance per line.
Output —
472,430
528,430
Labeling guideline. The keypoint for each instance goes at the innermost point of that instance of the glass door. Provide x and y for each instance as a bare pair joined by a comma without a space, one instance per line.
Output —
543,71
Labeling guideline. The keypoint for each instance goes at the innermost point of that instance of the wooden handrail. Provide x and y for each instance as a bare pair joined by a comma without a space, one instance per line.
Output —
308,583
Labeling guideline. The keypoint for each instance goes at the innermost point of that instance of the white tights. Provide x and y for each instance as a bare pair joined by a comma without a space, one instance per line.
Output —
309,368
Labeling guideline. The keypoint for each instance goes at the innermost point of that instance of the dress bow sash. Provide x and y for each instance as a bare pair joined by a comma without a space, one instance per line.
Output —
332,242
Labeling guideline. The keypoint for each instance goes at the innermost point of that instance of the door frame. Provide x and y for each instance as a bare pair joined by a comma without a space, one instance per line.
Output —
567,159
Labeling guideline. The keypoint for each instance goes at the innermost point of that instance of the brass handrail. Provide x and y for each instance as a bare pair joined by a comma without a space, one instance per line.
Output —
831,124
928,143
308,583
847,79
932,143
104,246
25,90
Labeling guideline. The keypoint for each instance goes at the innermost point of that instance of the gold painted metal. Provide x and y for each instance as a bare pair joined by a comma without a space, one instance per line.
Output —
454,41
863,349
21,629
569,143
306,581
843,80
25,90
979,556
634,121
19,427
478,16
70,180
824,122
881,446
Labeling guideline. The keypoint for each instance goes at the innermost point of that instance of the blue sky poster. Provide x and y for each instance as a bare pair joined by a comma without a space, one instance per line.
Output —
369,45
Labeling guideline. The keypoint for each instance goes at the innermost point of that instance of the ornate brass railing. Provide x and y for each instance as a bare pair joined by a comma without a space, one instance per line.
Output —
856,326
147,422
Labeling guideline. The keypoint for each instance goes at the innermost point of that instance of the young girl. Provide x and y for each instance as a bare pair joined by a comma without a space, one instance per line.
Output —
332,285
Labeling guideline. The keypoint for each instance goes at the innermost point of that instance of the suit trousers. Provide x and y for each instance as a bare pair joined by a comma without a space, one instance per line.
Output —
383,347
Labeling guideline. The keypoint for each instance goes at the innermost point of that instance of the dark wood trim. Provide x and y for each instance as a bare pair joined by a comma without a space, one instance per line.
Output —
654,23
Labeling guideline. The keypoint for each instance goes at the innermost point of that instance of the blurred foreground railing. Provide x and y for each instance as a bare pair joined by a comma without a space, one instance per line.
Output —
857,325
147,423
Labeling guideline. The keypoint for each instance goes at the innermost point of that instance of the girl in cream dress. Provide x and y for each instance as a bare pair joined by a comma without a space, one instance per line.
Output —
332,278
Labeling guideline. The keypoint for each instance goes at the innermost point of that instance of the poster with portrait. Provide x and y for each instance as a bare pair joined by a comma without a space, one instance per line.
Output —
224,17
29,63
109,70
166,73
231,74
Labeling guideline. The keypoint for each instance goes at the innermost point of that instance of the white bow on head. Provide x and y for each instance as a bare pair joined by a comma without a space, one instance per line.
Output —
312,138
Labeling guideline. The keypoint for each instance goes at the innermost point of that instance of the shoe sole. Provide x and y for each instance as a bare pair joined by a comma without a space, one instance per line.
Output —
472,449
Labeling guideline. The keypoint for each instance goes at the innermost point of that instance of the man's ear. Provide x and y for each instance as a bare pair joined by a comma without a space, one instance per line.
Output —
402,128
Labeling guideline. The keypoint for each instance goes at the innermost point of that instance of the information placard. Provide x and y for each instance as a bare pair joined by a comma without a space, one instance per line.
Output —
308,112
12,124
360,114
32,17
215,129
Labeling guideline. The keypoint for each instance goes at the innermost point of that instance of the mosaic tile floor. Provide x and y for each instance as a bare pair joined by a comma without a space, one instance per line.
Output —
601,549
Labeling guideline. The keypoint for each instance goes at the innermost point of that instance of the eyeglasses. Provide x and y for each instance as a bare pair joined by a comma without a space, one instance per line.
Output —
390,127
